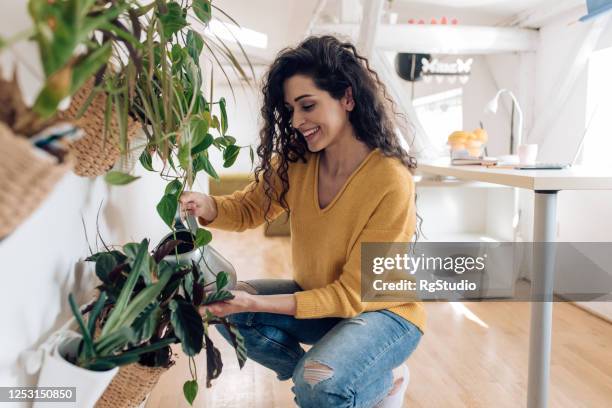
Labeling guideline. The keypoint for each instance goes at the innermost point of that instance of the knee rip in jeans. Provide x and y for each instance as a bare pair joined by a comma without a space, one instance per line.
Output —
315,372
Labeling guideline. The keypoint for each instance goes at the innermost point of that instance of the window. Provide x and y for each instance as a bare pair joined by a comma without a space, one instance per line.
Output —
598,139
440,114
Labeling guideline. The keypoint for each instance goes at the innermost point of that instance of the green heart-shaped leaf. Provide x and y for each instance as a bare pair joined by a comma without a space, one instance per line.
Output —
118,178
206,142
190,391
202,10
222,279
203,237
201,162
174,187
173,20
195,44
184,155
230,154
166,209
146,160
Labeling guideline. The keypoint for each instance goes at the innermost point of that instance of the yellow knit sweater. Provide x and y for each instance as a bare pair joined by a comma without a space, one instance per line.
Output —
376,204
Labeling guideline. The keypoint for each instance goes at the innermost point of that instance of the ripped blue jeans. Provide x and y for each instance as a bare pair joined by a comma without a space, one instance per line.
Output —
350,361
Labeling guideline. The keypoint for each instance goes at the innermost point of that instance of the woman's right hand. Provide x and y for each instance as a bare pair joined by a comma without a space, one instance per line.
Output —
198,205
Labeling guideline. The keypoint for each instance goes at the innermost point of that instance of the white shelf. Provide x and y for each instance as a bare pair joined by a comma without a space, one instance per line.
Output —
443,39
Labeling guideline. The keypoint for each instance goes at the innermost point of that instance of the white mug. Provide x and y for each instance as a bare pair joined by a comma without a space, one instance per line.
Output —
528,153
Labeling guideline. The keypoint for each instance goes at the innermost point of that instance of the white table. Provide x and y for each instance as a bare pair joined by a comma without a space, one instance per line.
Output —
545,184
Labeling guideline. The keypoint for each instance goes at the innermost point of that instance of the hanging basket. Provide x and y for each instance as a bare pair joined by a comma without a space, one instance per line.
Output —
95,153
131,386
26,178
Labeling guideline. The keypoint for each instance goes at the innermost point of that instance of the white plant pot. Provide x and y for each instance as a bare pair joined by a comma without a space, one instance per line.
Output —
56,371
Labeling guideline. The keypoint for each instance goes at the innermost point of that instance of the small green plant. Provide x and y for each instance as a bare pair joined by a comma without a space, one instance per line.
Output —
75,41
65,32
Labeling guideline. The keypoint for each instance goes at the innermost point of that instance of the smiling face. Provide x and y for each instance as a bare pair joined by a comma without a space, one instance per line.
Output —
315,114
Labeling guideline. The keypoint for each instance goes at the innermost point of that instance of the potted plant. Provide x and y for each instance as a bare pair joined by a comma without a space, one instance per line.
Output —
175,316
32,162
178,121
166,94
164,89
98,26
111,337
27,173
65,33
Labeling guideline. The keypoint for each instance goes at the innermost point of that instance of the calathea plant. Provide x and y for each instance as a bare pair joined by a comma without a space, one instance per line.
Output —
125,330
173,315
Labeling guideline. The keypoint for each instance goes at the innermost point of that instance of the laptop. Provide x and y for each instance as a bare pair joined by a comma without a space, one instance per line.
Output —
544,166
560,166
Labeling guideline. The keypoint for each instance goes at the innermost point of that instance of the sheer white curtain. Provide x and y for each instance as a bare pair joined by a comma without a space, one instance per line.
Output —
559,94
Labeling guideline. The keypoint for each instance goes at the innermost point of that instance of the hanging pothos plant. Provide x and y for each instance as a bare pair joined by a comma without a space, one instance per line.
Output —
164,89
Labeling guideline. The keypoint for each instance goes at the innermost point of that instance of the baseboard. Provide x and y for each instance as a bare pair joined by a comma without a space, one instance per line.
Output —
593,311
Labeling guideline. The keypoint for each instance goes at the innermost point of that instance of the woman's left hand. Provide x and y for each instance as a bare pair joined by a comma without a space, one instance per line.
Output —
242,302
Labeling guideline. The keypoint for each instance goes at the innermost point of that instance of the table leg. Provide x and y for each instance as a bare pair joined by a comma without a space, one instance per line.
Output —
545,217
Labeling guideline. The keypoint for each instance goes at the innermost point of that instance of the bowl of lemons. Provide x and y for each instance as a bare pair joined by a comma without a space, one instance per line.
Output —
468,144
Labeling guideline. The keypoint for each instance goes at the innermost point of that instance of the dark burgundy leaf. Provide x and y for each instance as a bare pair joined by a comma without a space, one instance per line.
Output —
237,341
198,289
165,249
214,365
116,272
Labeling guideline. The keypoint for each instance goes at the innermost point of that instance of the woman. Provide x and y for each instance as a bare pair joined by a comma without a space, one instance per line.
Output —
330,156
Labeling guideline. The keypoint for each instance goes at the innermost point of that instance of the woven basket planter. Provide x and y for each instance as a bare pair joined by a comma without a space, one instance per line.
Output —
130,386
26,178
94,153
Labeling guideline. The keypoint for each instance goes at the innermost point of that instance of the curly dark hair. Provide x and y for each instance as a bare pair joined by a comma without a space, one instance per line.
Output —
334,66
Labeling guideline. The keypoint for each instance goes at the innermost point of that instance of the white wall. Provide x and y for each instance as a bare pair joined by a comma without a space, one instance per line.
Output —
39,261
582,215
244,123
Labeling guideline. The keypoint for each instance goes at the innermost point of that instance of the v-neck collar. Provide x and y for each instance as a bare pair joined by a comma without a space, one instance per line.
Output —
346,183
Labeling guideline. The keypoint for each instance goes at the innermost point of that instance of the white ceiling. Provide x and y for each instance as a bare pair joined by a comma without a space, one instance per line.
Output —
286,22
504,8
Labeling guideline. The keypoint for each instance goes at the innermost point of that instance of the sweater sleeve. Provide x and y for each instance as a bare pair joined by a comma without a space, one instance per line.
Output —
245,209
393,221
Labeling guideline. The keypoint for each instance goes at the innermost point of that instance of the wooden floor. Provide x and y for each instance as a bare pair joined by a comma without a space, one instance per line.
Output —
473,354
